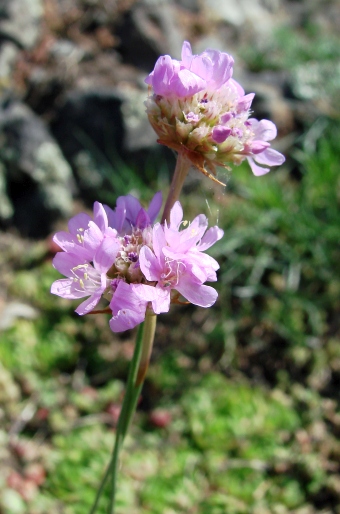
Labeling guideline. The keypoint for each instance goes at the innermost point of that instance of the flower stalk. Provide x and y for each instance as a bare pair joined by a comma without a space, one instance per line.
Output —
183,165
137,371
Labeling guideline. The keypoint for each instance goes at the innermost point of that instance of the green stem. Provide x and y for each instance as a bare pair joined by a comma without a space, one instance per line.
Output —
182,167
130,400
134,385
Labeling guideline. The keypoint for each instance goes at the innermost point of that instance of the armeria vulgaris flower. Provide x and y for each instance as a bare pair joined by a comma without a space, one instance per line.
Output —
197,108
122,257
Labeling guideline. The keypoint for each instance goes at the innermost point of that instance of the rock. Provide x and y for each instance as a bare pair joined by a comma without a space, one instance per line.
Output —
138,133
8,57
90,131
6,207
38,177
150,29
20,21
319,83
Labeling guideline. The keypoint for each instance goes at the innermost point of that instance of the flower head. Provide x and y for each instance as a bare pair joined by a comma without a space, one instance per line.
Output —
196,107
146,267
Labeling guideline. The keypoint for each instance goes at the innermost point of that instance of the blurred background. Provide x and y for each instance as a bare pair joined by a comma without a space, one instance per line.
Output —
240,410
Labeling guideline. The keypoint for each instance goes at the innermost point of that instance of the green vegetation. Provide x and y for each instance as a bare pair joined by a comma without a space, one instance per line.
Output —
240,417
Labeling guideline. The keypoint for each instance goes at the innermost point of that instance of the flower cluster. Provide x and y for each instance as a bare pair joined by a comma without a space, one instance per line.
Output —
196,107
134,264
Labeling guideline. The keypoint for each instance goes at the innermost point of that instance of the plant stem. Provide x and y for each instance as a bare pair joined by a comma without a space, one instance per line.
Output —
138,368
129,404
148,338
182,167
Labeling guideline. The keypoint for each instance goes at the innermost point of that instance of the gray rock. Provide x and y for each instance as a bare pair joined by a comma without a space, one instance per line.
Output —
6,207
319,83
20,21
138,133
151,28
8,57
238,12
38,177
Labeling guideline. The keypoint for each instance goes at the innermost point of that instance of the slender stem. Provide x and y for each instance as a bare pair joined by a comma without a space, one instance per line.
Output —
130,394
148,338
133,389
182,167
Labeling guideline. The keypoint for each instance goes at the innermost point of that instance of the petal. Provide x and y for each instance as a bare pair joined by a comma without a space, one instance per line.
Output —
186,54
212,235
65,288
234,85
264,130
128,310
89,304
244,103
201,295
186,83
270,157
126,319
93,236
142,219
106,253
100,216
176,216
202,66
155,206
116,218
258,171
149,264
158,241
65,262
78,222
164,71
257,147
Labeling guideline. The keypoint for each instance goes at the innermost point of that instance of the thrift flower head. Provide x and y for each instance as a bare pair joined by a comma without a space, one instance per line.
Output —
196,107
138,267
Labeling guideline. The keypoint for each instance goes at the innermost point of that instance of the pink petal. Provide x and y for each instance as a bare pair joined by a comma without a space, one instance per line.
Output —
245,102
186,83
89,304
270,157
258,171
106,253
100,216
149,264
65,262
64,287
264,130
93,236
159,241
176,216
211,236
128,310
126,319
80,221
155,206
160,298
257,147
203,296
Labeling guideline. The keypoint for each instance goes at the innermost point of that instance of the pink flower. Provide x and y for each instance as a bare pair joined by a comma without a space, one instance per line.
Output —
177,262
260,150
145,268
198,109
194,73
